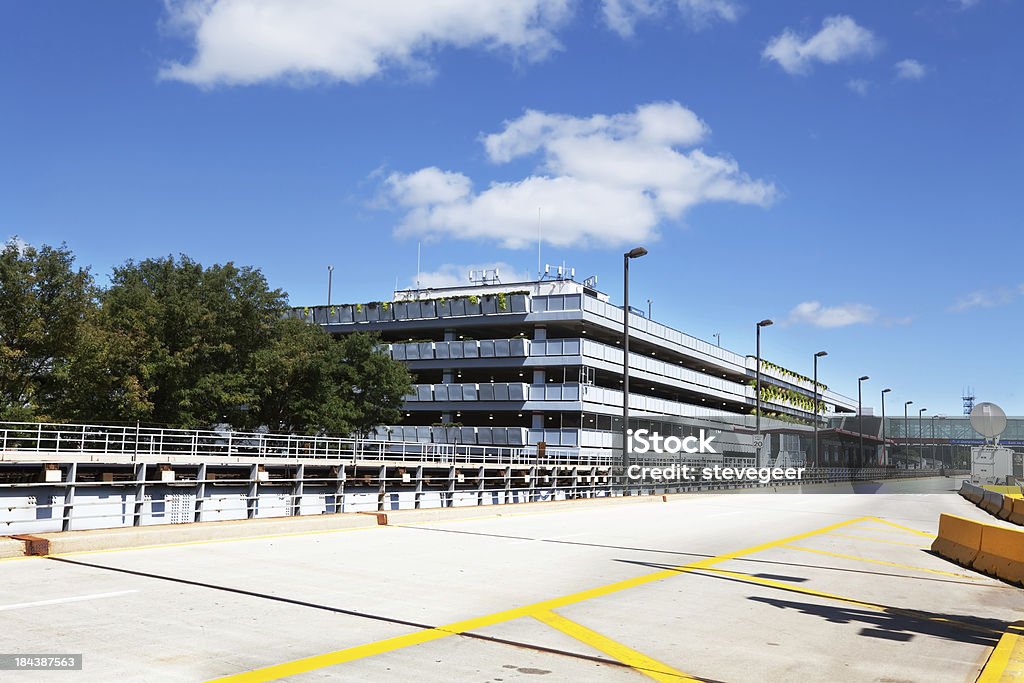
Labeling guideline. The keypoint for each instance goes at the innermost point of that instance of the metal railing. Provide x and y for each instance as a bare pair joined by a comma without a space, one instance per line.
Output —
67,442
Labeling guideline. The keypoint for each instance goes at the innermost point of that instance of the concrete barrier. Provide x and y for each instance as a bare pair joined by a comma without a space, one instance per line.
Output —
1001,553
959,539
169,534
1007,509
11,547
991,502
1017,512
971,492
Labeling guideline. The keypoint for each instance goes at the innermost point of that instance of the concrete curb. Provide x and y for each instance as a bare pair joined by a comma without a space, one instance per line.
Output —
392,517
170,534
987,548
11,547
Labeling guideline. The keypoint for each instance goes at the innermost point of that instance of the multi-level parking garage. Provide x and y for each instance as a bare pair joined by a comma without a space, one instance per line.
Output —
525,363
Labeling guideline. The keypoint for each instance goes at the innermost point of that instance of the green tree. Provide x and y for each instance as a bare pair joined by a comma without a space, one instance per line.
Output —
310,383
44,300
195,331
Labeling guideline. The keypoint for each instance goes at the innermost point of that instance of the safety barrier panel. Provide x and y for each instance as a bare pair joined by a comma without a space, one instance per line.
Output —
994,550
996,504
959,539
971,492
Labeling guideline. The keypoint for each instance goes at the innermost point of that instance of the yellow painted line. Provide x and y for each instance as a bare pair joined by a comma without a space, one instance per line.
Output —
883,563
900,526
877,540
306,664
1006,663
651,668
20,557
157,546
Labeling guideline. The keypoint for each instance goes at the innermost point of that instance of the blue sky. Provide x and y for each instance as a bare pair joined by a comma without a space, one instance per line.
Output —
849,169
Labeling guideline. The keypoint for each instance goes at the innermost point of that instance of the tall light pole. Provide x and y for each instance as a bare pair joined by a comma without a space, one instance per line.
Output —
885,451
860,419
757,390
330,282
817,458
920,434
637,252
906,430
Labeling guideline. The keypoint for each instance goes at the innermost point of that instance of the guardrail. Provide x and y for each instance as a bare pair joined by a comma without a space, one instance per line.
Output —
65,442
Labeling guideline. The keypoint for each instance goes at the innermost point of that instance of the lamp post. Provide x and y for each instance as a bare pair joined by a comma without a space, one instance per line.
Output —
906,430
920,434
885,451
860,419
817,458
757,390
637,252
330,282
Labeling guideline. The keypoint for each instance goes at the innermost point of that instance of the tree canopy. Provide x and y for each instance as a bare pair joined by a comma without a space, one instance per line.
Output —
172,342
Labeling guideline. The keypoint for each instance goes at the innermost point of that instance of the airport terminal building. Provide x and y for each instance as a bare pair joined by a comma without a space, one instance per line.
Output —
530,362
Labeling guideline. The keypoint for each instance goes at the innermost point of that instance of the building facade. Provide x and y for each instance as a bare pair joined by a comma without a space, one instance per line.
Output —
524,363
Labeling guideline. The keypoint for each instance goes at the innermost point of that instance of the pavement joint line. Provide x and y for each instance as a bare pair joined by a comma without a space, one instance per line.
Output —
315,662
638,661
884,563
1006,663
877,540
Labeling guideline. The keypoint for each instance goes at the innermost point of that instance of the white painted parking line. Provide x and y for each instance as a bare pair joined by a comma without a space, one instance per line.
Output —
61,601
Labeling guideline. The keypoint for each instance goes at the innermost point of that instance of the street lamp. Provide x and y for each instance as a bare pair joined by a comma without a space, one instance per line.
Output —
885,451
906,430
330,278
860,419
920,434
757,391
637,252
819,354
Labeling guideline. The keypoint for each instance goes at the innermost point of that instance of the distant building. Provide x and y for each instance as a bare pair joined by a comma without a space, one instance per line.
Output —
529,362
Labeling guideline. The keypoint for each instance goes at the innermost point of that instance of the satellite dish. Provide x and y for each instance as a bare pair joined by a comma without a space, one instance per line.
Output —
988,419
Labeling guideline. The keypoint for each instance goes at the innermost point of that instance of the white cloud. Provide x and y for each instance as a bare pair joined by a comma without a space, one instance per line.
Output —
859,86
453,275
814,313
622,16
241,42
840,38
603,180
910,70
966,4
990,298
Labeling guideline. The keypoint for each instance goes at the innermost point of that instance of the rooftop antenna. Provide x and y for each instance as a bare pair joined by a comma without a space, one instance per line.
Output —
539,275
968,399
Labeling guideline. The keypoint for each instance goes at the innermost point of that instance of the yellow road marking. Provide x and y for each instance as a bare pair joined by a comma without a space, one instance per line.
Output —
900,526
628,656
306,664
876,540
1007,660
883,563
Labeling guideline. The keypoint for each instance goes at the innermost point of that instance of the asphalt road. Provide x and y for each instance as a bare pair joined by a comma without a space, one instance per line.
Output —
705,587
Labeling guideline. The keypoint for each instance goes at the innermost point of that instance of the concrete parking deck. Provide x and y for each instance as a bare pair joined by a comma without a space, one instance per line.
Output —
706,587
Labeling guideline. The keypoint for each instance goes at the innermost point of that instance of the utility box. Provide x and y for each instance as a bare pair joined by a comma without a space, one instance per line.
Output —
991,465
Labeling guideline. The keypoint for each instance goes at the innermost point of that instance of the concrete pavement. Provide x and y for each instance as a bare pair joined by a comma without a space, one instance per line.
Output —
723,587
